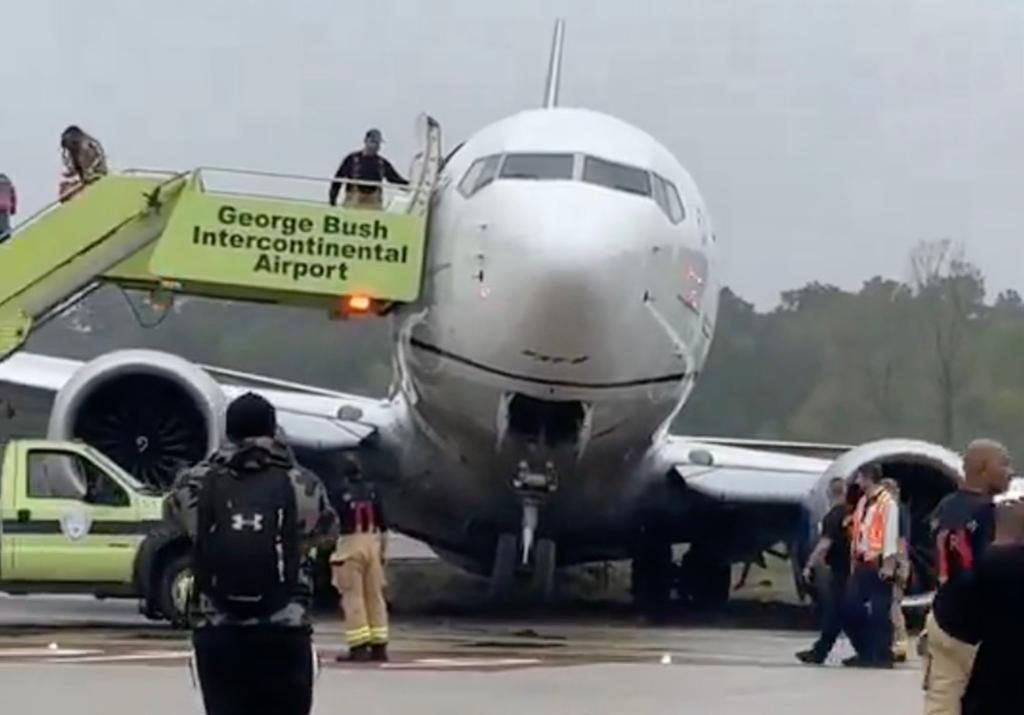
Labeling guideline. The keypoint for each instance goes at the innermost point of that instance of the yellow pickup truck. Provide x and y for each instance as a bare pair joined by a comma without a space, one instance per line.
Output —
72,521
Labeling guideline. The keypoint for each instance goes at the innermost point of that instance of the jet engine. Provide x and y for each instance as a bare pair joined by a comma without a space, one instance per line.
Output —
926,472
151,412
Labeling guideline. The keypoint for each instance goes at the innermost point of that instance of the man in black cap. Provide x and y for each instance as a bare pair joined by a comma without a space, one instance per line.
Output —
252,514
363,173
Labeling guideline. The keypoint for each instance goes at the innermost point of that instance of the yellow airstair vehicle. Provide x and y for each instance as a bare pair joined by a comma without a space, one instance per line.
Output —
175,233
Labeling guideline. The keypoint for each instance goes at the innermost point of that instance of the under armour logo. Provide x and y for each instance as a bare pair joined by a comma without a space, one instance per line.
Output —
239,522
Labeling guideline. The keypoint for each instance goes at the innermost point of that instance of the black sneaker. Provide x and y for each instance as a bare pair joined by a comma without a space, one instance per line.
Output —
810,657
358,654
858,662
379,652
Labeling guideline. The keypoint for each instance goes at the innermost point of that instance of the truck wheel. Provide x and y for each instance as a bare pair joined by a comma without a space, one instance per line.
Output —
173,590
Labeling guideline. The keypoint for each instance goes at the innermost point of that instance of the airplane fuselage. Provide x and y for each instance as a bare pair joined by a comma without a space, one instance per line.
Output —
569,305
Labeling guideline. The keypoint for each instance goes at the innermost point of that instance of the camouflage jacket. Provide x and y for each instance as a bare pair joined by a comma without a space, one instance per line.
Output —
88,162
316,518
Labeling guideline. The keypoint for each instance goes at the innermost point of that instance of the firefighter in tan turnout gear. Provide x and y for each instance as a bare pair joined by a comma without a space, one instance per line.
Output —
358,567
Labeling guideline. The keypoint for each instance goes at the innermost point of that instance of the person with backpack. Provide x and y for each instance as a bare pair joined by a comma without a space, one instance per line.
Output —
253,515
358,566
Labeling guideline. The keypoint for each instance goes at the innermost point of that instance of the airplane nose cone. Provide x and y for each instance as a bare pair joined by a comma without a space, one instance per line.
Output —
560,274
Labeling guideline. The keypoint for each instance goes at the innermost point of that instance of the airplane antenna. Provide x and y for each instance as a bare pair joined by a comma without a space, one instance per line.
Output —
555,66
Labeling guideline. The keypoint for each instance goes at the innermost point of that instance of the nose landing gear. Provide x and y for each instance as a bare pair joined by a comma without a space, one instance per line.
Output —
535,557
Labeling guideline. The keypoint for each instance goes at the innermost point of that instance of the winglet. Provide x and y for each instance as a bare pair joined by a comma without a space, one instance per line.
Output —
555,66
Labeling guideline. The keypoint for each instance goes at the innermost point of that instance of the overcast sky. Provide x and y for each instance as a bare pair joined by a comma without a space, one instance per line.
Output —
827,135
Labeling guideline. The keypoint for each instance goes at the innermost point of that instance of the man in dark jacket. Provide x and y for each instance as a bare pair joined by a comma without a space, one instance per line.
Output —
363,172
262,663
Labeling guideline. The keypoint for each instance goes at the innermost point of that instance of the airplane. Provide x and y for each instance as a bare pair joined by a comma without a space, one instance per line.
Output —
570,299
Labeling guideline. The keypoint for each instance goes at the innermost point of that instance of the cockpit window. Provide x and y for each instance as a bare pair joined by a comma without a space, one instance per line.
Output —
537,166
667,198
601,172
480,174
616,176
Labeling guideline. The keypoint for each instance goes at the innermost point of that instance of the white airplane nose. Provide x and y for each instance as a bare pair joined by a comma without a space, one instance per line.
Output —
562,276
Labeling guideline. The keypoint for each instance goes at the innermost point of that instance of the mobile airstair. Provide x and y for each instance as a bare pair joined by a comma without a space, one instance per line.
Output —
222,233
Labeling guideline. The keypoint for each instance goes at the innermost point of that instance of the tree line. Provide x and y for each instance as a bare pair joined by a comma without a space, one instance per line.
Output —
931,356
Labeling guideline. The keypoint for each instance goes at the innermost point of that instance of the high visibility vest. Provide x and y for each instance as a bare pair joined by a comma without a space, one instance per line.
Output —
875,528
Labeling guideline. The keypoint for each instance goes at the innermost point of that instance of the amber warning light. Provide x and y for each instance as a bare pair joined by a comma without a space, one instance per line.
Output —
359,305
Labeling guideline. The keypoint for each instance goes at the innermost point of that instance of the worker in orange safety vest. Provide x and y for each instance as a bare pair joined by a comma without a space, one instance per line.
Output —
874,547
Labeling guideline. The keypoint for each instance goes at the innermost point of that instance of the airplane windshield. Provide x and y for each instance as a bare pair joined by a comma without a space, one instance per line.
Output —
667,198
616,176
479,175
538,166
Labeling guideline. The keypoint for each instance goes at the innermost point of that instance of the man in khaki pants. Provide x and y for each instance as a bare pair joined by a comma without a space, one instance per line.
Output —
964,525
900,639
358,568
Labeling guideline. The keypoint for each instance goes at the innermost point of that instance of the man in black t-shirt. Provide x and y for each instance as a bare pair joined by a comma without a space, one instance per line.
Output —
963,524
833,551
995,600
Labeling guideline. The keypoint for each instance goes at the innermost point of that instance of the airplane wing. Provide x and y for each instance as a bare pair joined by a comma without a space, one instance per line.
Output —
758,471
311,417
742,473
756,476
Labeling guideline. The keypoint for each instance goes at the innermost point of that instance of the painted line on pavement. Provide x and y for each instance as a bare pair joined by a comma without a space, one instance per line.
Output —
54,653
127,657
439,663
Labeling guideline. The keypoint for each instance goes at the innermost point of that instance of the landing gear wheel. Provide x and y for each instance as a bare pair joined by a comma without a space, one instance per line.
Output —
504,570
651,578
174,588
705,580
545,555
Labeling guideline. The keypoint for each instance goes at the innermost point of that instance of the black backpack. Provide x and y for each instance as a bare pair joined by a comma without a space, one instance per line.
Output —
247,546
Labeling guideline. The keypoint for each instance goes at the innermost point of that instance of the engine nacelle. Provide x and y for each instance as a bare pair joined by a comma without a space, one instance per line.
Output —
151,412
926,472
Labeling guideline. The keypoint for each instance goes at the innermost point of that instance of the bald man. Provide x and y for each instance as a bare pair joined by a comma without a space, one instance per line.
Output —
963,525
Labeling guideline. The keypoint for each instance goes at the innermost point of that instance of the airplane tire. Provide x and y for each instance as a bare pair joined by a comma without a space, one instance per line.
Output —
705,580
504,570
651,578
545,555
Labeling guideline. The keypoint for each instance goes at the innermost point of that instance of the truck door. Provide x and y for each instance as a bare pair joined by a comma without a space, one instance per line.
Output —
74,523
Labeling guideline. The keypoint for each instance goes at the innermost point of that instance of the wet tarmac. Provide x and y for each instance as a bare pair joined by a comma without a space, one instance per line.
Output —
83,656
